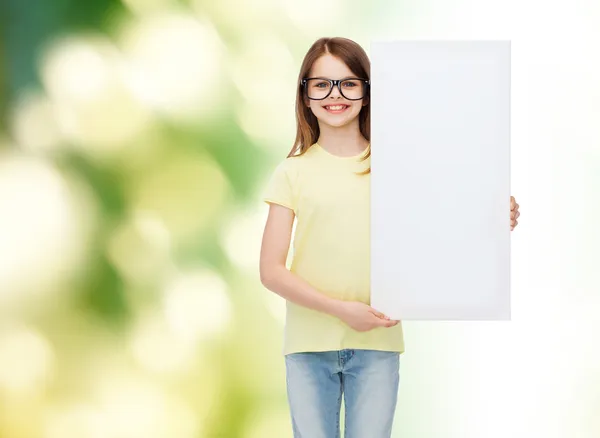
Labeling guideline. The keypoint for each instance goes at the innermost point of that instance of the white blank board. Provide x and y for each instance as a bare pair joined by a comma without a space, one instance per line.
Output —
440,182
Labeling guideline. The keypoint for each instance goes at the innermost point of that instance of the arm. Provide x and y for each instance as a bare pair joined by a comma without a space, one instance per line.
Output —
277,278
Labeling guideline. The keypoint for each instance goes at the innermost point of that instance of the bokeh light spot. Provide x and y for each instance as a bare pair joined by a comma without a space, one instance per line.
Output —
173,64
42,216
242,237
85,77
186,192
156,348
197,305
33,123
140,248
26,360
313,16
263,71
136,409
75,421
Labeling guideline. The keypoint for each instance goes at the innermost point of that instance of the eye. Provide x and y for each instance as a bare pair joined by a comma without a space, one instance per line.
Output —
321,84
350,84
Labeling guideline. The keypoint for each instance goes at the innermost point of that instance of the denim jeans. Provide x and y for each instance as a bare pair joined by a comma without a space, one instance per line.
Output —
367,379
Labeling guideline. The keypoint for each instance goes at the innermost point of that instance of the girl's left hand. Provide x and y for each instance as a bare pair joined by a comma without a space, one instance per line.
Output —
514,213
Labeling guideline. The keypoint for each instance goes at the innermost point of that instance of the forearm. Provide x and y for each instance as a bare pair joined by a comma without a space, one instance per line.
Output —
293,288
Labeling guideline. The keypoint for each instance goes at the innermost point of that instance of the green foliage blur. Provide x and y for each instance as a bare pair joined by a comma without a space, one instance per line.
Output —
135,140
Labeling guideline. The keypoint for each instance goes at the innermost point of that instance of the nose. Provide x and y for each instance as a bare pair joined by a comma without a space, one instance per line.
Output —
335,93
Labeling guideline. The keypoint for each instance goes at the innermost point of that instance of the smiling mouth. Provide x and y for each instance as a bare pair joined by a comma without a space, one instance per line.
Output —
336,108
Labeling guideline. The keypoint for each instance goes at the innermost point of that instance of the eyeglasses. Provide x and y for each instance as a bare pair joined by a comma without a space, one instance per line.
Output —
350,88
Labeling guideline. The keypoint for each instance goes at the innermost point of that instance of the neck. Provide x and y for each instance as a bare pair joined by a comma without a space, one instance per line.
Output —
345,140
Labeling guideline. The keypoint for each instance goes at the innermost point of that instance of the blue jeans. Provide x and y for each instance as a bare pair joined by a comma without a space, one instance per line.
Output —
367,379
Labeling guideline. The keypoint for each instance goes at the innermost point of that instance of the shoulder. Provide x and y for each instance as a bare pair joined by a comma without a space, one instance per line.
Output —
285,172
295,164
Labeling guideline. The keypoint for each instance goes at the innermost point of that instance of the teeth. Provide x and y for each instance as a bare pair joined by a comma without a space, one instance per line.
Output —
335,107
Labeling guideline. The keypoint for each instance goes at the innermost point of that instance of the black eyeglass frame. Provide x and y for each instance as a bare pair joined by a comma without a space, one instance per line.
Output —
338,83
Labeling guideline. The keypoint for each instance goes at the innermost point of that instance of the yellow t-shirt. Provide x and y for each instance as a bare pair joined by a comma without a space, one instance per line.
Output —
331,247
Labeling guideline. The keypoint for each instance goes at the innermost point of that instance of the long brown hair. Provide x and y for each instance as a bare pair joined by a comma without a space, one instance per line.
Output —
307,126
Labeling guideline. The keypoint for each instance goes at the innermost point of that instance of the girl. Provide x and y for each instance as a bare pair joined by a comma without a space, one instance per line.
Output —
335,345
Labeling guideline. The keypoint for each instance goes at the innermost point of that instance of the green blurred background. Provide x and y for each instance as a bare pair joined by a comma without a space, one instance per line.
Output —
135,139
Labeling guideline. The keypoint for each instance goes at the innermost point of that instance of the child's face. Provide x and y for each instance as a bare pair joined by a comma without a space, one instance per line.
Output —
335,110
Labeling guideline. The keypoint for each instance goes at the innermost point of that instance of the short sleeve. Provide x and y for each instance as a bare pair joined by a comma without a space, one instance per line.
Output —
279,189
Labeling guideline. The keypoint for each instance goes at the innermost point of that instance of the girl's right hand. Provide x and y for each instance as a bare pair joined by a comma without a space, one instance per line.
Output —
362,317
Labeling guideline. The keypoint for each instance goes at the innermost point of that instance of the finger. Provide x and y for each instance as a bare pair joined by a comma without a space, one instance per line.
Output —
517,215
512,202
388,322
378,314
512,214
382,323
